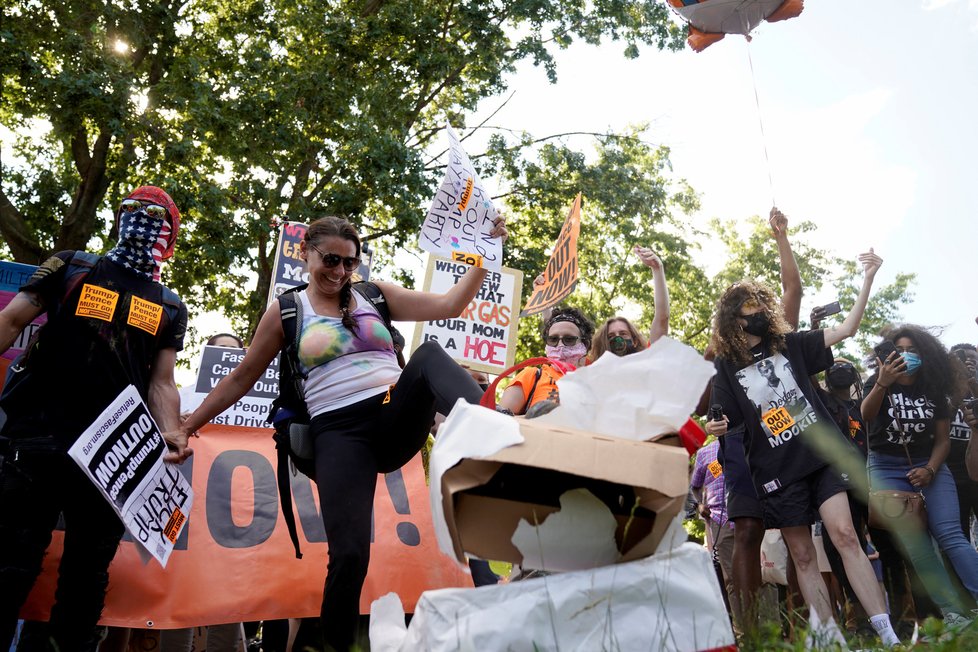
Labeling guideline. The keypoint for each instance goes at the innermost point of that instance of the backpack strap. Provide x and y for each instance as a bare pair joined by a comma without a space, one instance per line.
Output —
289,404
529,397
376,297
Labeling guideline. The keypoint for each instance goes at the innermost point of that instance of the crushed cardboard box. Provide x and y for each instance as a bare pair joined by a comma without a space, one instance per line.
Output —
643,484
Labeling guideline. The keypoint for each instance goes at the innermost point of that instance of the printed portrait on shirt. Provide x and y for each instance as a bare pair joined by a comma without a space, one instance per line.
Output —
782,407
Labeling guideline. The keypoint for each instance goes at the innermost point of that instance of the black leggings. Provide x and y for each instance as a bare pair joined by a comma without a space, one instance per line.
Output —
353,444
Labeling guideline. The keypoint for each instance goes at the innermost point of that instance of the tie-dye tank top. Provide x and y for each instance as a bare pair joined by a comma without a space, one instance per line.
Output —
342,367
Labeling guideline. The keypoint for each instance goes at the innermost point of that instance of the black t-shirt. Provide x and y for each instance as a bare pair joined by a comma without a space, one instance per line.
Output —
847,417
960,436
908,417
102,336
775,401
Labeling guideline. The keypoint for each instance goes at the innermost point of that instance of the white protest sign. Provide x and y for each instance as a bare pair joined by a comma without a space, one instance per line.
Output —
483,337
122,454
461,216
250,410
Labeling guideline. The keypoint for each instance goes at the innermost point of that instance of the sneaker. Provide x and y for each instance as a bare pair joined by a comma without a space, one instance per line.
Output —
955,622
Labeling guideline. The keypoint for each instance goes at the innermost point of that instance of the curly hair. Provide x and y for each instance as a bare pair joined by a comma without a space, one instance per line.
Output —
936,378
576,317
729,339
337,227
602,342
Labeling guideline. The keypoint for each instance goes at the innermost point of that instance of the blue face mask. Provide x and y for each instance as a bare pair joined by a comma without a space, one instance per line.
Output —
913,362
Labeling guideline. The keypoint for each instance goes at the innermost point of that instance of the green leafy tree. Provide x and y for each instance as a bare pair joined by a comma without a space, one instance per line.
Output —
250,112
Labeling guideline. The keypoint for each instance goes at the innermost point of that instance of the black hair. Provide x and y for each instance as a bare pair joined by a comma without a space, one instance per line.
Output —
576,317
936,378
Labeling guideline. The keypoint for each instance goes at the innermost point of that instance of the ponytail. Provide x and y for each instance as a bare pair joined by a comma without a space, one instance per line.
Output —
346,294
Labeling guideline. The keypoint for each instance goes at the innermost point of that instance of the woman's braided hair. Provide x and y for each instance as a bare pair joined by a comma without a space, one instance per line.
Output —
337,227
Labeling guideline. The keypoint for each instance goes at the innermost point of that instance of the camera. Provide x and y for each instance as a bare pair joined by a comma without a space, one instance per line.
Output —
716,412
884,349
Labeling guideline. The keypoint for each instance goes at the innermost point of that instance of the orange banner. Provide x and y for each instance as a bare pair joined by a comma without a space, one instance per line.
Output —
560,275
234,560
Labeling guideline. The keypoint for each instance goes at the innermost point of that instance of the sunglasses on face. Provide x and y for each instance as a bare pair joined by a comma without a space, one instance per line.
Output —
350,263
153,210
566,340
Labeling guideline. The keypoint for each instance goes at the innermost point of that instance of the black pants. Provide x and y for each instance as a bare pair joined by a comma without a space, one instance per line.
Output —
34,491
353,444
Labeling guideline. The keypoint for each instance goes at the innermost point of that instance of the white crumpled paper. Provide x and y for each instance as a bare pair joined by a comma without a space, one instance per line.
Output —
580,536
670,601
637,396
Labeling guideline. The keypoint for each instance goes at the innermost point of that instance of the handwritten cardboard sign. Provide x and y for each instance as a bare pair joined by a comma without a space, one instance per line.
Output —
461,216
483,337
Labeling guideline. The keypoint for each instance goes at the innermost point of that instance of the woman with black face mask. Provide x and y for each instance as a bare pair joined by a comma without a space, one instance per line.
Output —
841,398
788,437
619,335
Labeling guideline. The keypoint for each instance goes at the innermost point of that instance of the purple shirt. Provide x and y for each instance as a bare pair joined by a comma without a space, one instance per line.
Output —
708,475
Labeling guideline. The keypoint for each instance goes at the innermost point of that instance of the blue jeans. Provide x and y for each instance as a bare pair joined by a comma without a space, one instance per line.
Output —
944,523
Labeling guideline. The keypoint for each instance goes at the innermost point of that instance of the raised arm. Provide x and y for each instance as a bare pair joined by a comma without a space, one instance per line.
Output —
268,341
660,320
413,305
871,264
16,315
791,290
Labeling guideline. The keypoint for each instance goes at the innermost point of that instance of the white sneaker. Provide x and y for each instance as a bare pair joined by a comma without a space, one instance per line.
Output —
955,622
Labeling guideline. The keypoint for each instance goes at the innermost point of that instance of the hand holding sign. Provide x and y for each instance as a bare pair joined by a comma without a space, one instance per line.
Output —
462,223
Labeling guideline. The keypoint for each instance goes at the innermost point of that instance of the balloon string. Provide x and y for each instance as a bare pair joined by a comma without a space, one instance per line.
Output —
760,121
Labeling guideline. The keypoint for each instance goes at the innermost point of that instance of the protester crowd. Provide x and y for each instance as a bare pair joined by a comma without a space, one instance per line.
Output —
880,467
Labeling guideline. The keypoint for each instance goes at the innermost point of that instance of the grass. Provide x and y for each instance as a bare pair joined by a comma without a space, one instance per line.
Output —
932,636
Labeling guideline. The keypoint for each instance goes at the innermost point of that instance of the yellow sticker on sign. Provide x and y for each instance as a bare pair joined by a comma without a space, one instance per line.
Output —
96,302
715,469
777,420
145,315
475,260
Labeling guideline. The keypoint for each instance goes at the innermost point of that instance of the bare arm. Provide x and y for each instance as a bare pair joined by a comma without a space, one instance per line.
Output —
791,289
871,264
163,401
971,454
660,320
268,341
16,315
413,305
512,399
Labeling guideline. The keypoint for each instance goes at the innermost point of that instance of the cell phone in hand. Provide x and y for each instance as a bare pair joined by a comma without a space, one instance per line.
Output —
830,309
884,349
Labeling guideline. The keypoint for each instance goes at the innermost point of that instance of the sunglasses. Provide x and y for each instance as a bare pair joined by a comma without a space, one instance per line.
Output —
350,263
153,210
566,340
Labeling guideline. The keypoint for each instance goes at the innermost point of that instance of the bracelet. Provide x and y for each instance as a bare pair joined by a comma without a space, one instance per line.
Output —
932,471
882,385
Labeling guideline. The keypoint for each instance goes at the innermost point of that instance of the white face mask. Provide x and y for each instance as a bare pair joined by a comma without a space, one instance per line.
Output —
566,354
